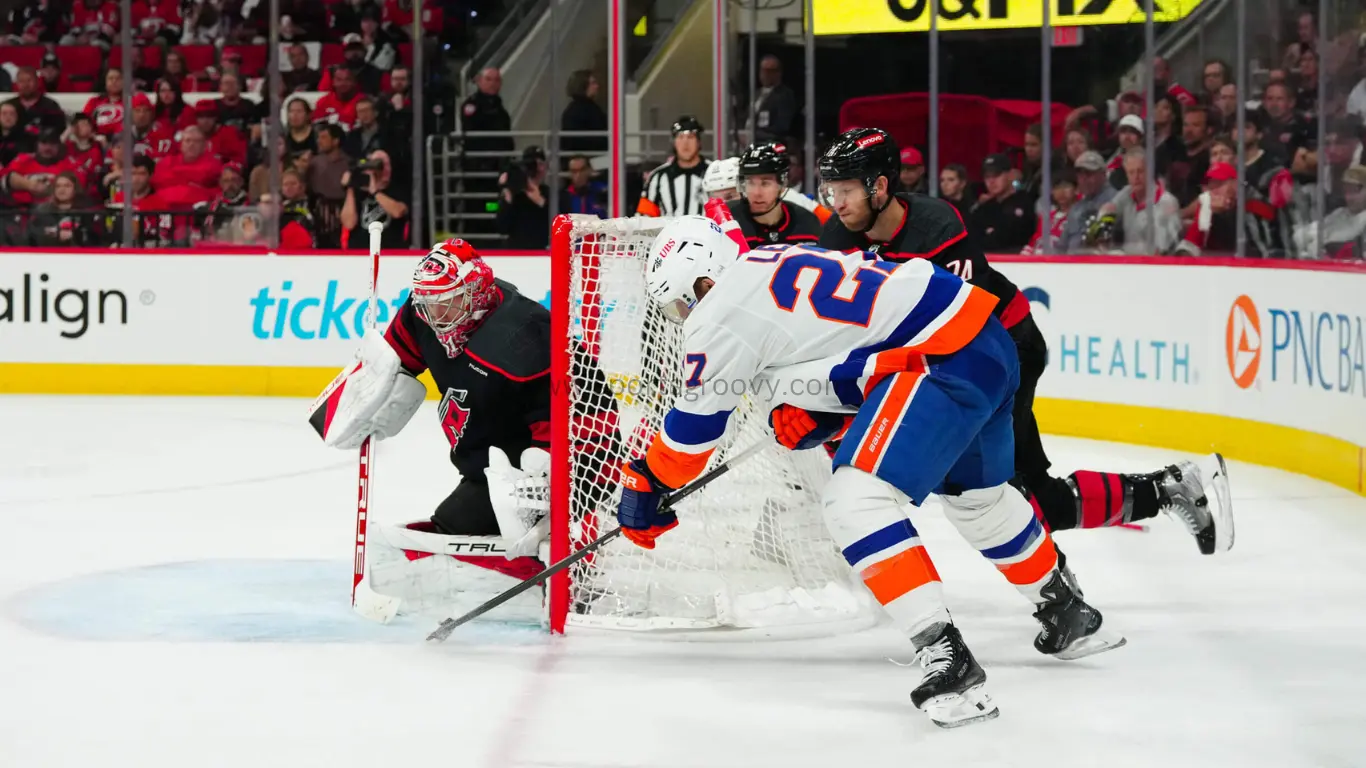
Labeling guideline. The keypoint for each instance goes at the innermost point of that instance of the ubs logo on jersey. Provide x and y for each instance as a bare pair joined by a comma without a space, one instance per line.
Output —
454,415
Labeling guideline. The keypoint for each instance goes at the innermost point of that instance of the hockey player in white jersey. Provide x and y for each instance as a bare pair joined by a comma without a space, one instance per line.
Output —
917,378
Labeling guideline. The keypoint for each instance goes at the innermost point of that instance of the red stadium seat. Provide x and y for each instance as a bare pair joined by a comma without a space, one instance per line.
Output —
405,54
151,56
198,57
22,55
254,58
331,55
82,62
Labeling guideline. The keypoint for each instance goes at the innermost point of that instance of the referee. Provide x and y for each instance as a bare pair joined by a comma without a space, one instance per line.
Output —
675,188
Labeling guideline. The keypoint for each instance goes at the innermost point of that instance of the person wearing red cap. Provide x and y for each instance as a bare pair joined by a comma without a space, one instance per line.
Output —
106,109
195,166
223,141
913,172
1215,227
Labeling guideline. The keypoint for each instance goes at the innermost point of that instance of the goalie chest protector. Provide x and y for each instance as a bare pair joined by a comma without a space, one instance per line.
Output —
497,390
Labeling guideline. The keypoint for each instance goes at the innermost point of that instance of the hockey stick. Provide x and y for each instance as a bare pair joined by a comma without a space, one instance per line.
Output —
365,600
448,626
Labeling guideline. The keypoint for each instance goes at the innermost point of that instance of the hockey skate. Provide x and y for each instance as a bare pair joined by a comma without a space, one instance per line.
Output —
951,692
1198,496
1071,628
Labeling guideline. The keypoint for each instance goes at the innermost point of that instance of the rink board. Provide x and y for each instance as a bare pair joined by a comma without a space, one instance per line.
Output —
1266,363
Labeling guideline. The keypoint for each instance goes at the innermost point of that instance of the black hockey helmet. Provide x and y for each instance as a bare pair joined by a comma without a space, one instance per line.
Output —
759,159
864,154
687,124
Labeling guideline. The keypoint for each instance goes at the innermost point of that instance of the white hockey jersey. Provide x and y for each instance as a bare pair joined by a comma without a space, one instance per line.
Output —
809,327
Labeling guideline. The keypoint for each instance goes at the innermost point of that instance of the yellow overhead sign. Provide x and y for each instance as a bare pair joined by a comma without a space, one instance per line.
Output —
853,17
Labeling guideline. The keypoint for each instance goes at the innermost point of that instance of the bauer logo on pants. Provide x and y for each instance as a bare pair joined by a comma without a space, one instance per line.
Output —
1243,342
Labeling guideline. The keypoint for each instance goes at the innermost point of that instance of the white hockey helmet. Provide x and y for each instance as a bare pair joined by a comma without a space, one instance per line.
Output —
722,175
688,248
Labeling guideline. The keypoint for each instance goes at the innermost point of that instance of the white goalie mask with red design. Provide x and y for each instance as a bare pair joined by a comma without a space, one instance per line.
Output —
453,290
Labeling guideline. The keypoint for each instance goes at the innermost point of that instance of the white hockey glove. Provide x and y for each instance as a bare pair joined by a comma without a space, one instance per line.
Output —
372,396
520,499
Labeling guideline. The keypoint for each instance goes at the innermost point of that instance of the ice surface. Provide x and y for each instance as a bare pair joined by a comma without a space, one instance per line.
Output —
173,589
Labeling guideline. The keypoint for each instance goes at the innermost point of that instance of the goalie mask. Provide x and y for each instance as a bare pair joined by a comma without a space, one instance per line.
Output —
453,290
688,249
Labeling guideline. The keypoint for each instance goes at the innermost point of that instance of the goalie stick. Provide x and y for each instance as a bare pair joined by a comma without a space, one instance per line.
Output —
364,599
449,625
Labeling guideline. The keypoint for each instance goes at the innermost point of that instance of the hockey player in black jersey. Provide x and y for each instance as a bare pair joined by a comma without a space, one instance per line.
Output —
764,217
857,172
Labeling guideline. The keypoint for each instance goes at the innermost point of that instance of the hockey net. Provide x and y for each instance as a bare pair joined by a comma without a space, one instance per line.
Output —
751,551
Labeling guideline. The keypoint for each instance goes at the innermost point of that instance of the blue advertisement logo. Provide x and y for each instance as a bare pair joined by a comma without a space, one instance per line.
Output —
1117,357
281,312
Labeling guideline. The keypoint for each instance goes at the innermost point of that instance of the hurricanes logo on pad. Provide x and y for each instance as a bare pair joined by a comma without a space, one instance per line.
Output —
1243,342
454,416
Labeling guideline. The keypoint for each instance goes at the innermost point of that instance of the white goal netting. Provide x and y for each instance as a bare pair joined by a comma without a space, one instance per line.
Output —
751,550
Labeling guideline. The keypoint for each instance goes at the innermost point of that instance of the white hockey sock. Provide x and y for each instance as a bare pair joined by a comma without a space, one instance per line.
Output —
1000,523
863,515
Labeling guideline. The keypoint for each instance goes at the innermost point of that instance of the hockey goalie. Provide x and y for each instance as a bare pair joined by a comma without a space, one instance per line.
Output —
488,350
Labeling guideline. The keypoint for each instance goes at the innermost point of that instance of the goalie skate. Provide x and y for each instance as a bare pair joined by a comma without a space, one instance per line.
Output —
953,691
1198,496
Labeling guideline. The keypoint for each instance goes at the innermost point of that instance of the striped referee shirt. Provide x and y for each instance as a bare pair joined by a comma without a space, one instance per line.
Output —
674,191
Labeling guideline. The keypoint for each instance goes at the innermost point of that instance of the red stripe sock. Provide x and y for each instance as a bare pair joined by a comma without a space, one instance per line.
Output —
1102,498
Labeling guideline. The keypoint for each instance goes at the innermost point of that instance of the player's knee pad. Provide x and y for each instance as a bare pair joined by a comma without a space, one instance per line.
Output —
988,517
856,503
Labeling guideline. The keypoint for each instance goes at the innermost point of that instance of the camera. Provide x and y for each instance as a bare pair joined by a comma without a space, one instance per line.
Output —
361,171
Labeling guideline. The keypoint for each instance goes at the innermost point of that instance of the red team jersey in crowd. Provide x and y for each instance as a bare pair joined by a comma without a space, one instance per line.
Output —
152,16
102,20
227,145
331,109
106,113
394,13
29,166
1057,218
156,143
174,171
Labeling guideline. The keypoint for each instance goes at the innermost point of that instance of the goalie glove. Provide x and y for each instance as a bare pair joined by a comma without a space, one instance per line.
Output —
520,499
372,396
798,429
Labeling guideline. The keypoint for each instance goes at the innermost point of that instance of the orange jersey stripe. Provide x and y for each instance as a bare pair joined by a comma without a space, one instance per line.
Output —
647,207
963,326
1033,569
675,468
884,422
899,574
893,361
822,212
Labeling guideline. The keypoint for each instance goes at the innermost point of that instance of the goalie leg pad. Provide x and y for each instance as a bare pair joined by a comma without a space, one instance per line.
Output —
373,395
864,516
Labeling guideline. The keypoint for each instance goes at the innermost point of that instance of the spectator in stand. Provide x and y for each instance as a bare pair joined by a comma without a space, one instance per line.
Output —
484,111
37,112
1064,199
1185,173
235,112
222,141
150,137
346,15
1356,99
1307,35
379,46
912,174
85,152
1214,225
1003,218
1167,123
1283,125
290,31
583,114
775,105
222,209
204,25
1216,75
172,113
368,77
93,22
1163,85
178,72
1307,84
195,166
300,77
953,188
28,179
109,178
367,135
144,77
374,194
398,107
1130,135
1093,192
143,168
328,167
51,78
300,161
58,222
299,133
1224,118
1265,172
37,22
1077,142
1344,229
1341,150
106,109
159,22
14,140
582,194
1031,172
1130,211
296,220
339,105
522,212
398,18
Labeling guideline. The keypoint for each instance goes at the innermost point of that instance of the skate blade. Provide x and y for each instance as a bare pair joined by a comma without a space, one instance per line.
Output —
956,710
1219,501
1100,642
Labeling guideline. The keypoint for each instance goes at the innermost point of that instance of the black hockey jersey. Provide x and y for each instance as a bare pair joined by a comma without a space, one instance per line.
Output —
798,225
496,392
933,229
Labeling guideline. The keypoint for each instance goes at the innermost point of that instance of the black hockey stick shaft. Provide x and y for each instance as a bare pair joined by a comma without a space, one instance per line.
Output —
449,625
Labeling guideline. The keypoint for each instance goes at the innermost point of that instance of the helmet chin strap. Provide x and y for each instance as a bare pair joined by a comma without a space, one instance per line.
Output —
876,212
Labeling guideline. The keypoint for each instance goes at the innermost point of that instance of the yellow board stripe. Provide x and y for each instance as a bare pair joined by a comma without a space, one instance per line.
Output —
1337,461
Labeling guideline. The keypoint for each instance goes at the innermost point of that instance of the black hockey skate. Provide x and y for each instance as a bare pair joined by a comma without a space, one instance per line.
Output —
1198,497
1071,628
951,692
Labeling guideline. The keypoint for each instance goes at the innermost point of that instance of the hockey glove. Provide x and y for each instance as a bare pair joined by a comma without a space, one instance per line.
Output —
798,429
638,514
